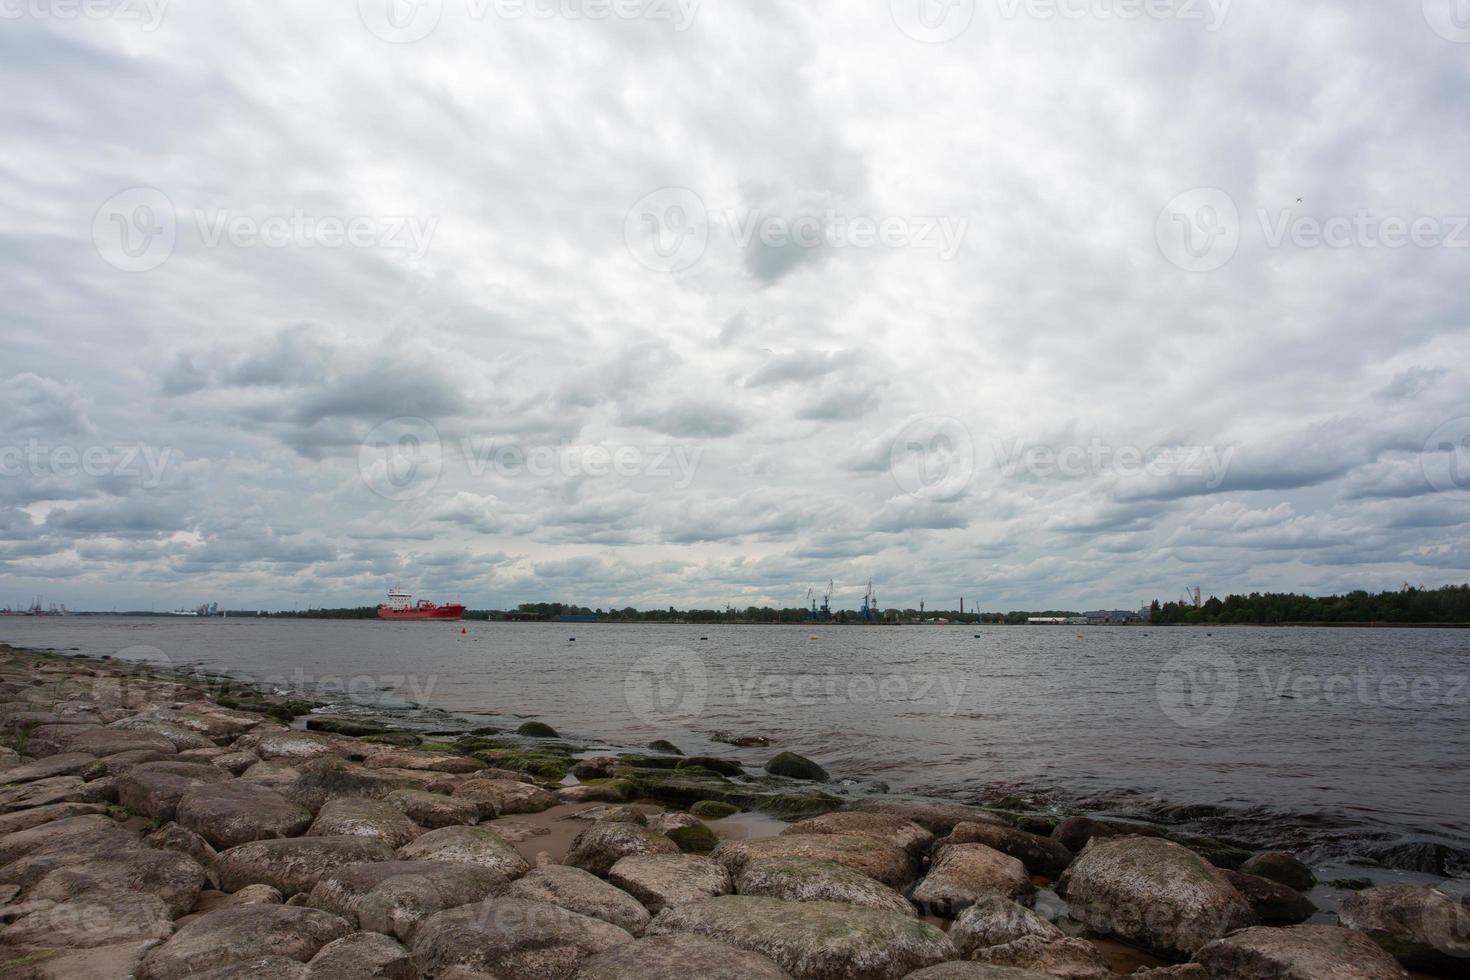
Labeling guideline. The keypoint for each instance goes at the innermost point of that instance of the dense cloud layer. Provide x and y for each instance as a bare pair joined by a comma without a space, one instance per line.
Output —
668,302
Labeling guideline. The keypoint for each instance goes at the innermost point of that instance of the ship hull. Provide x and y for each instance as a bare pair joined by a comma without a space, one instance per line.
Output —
452,612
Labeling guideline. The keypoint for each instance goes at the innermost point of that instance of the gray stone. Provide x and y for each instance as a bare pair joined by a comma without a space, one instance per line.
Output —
679,956
85,922
238,812
1273,903
360,956
445,762
895,830
501,797
433,810
473,845
978,971
805,880
1071,959
241,933
376,819
880,861
176,879
1041,855
995,921
1424,928
584,893
814,940
660,881
937,818
293,865
602,845
154,789
963,873
1298,953
512,939
1281,867
393,897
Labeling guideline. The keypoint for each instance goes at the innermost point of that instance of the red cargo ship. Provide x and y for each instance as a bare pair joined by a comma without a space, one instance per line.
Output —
400,605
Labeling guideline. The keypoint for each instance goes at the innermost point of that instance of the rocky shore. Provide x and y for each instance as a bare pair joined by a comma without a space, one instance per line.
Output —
157,827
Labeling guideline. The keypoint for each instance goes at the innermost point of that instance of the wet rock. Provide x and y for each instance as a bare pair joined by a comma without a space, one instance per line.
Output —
1074,832
176,879
679,956
894,830
433,810
584,893
512,939
237,812
723,767
295,864
1424,928
1041,855
1273,903
615,791
804,880
537,729
597,767
603,844
995,921
1072,959
937,818
445,762
394,897
1153,893
713,809
1298,953
878,860
794,766
660,881
88,921
813,940
499,797
360,956
661,745
364,818
242,933
1281,867
348,727
662,823
471,845
613,814
1425,857
963,873
154,789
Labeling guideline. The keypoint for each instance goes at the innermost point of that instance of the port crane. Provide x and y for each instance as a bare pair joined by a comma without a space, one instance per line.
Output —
870,604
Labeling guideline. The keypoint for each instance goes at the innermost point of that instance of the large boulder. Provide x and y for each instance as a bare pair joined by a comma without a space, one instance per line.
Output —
362,956
805,880
995,921
679,956
374,819
293,865
512,939
814,940
27,856
794,766
232,813
584,893
1280,867
1041,855
963,873
176,879
978,971
937,818
45,792
424,761
1074,959
36,816
393,897
880,861
1424,928
471,845
154,789
1075,832
1153,893
65,764
330,778
663,880
433,810
884,826
290,747
1273,903
604,844
88,921
1298,953
240,933
500,797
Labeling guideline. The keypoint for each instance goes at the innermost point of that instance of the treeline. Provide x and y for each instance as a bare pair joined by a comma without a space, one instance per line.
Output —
1450,604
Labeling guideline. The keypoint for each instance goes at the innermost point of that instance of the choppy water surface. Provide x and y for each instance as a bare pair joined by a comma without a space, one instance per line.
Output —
1336,741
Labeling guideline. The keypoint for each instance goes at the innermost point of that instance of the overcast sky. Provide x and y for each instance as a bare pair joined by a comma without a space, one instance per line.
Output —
659,302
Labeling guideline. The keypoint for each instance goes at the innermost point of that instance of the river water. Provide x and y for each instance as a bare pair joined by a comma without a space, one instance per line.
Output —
1338,743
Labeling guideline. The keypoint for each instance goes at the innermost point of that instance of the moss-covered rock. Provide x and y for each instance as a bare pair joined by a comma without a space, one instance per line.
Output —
351,727
794,766
696,839
537,729
660,745
713,809
402,740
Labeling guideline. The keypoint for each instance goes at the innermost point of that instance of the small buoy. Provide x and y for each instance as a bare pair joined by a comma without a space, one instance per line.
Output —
572,639
814,636
462,631
704,638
